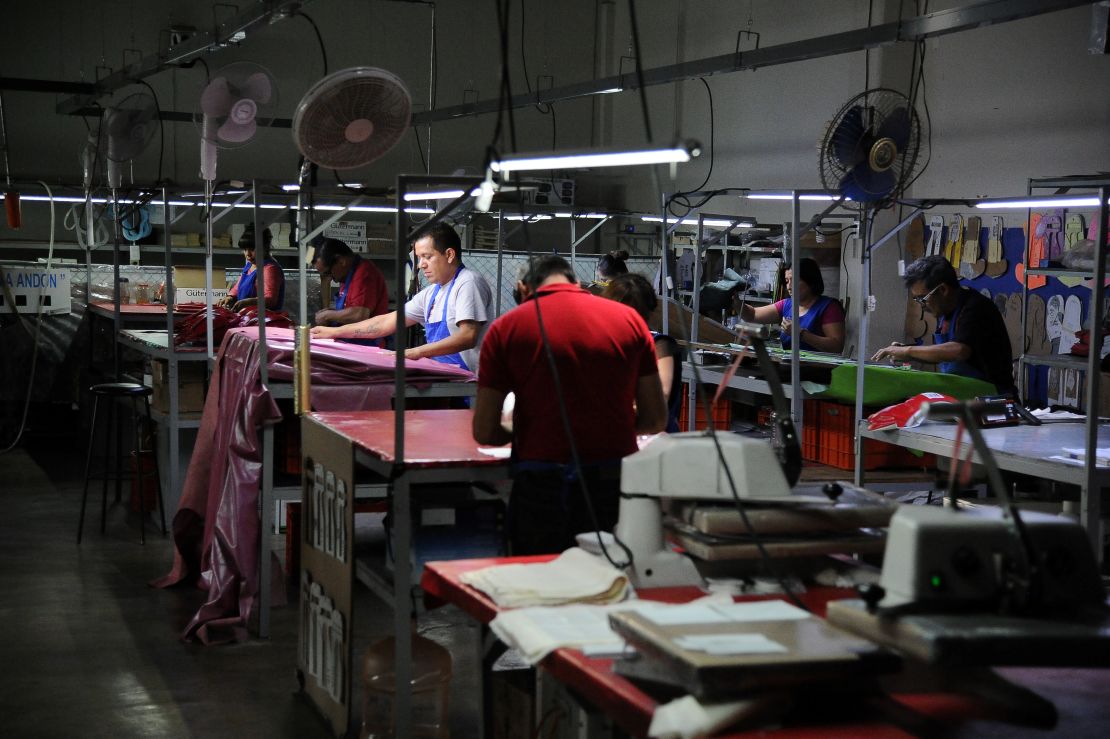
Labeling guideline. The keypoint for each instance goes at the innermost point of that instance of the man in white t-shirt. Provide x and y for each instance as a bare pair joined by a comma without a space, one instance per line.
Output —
454,308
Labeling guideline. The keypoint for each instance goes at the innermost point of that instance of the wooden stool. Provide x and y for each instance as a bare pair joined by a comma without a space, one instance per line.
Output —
113,391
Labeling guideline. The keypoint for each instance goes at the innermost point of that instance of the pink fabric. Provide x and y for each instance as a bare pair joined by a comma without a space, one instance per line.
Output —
216,536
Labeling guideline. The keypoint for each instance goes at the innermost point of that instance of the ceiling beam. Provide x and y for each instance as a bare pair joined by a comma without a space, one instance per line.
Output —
918,28
25,84
201,43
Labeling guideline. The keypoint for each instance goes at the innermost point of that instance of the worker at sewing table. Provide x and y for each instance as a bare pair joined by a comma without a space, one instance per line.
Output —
244,293
454,308
362,290
820,317
971,338
605,382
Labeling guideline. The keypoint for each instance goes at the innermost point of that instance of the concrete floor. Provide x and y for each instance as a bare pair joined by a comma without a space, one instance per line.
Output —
89,650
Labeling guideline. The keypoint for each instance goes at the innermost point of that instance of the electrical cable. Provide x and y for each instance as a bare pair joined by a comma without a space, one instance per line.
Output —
38,325
319,38
161,130
639,67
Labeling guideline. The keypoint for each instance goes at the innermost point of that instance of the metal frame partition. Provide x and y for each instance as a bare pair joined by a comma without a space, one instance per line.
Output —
402,523
796,230
1091,498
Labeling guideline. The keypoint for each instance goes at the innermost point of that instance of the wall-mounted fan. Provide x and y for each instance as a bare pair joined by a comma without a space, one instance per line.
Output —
352,117
873,147
236,101
126,128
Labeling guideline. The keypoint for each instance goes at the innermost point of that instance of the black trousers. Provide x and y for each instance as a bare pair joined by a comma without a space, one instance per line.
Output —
547,508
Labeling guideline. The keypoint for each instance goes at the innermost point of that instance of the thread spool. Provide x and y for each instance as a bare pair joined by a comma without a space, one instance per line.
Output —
11,207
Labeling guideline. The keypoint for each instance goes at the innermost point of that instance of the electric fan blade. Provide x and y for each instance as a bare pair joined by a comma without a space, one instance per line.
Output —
216,100
897,128
846,140
863,184
257,87
236,133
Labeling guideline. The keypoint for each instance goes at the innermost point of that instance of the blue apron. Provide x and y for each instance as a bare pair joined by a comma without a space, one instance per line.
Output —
246,288
341,303
811,321
944,336
436,330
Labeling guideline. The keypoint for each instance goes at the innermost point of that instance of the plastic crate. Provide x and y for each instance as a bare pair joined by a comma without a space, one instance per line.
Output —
811,431
722,413
835,446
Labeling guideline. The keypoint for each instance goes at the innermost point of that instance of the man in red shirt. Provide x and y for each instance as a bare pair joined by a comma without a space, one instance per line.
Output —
607,384
362,290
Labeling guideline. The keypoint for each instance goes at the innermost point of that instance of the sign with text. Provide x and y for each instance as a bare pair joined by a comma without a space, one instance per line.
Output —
26,286
352,233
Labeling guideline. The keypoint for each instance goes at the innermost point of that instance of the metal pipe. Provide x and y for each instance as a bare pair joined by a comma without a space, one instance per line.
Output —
918,28
4,137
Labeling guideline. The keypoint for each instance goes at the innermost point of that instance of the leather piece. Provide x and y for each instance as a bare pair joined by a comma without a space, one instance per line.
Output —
216,535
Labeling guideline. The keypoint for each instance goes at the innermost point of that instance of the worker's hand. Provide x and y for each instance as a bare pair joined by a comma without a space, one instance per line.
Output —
785,326
324,332
323,316
226,301
895,351
415,352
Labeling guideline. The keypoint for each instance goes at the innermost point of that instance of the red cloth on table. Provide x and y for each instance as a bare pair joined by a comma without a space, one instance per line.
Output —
216,527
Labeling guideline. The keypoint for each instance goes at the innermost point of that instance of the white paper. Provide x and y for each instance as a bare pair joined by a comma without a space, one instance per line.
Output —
723,644
497,452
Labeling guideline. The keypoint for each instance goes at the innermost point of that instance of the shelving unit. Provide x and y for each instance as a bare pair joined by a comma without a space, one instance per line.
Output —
1090,482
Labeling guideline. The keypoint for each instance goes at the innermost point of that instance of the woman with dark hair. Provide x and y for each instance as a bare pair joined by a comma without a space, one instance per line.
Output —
635,291
610,265
820,318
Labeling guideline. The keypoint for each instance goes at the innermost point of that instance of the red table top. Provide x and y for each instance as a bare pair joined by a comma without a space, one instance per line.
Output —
632,708
433,438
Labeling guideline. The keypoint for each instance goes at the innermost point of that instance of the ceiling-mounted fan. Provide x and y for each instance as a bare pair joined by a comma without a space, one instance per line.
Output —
126,128
873,147
234,103
352,117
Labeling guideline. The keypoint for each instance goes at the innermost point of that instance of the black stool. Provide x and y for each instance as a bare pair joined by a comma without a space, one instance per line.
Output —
113,391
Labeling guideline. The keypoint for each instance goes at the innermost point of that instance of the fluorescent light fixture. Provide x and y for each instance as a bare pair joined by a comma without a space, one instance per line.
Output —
1090,201
291,188
787,196
712,222
610,91
530,219
591,158
440,194
78,199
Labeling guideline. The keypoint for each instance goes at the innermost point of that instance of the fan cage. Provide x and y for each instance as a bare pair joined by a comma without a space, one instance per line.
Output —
324,114
873,107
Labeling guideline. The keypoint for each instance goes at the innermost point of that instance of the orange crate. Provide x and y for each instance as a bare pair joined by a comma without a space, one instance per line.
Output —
722,414
836,447
811,431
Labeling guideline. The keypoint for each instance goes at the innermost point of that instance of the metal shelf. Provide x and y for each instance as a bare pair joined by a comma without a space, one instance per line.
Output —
1067,361
1060,272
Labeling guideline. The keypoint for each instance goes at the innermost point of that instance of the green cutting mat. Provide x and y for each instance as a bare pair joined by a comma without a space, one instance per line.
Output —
884,386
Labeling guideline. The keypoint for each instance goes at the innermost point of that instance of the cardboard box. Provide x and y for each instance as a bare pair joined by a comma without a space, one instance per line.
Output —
191,277
191,385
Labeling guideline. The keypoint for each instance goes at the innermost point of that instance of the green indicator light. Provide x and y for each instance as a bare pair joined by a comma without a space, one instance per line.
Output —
936,582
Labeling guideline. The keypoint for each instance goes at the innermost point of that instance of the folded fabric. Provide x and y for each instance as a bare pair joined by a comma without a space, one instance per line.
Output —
575,576
686,717
536,632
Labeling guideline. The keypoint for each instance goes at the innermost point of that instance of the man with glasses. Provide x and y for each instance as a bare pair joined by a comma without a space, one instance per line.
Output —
971,338
362,291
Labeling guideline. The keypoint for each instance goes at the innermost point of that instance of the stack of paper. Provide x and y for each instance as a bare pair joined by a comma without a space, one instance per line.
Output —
573,577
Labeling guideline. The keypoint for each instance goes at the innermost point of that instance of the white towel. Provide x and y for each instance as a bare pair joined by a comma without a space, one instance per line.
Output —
574,576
